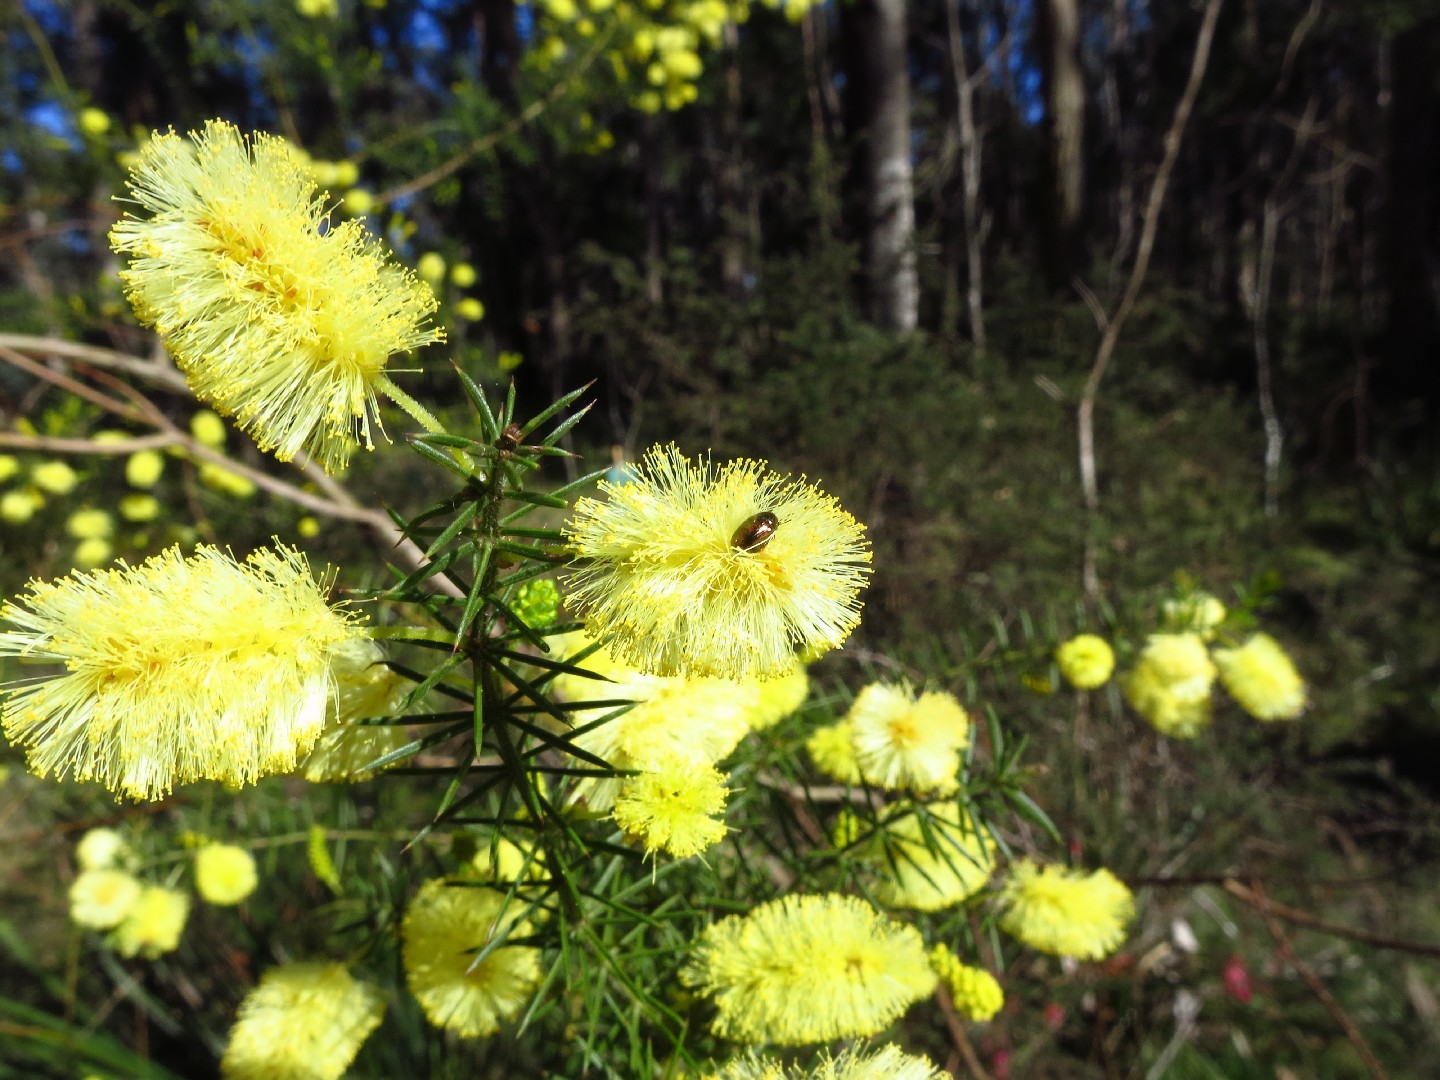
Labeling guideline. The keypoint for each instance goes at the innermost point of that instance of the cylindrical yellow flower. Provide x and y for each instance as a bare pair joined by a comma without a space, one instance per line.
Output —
930,867
976,994
1262,678
726,571
886,1062
673,808
278,316
100,899
444,929
1086,661
301,1022
906,743
224,874
1066,913
174,670
366,689
806,969
1170,686
154,922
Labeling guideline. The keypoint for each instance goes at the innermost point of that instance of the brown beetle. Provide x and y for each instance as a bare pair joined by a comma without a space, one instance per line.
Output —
755,532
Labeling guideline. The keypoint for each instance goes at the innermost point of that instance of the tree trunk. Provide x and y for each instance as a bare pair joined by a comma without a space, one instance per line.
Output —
1057,28
877,111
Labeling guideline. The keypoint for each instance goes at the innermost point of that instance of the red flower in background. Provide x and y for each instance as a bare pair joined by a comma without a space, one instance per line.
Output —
1237,980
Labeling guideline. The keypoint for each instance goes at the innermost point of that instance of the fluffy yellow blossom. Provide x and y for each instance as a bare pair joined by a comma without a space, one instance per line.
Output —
301,1022
777,698
806,969
93,121
226,481
90,523
92,552
224,874
144,468
462,275
18,507
688,568
9,467
100,848
431,267
208,429
100,899
54,477
1199,613
365,689
832,748
674,808
1170,685
695,720
934,865
154,922
139,508
470,309
887,1062
905,743
278,316
174,670
1064,912
1086,661
445,931
1261,677
976,994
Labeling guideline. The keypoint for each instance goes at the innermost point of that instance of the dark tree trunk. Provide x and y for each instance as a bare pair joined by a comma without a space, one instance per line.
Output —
1057,29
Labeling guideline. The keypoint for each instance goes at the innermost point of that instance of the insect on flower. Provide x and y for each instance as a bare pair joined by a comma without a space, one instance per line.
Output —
755,532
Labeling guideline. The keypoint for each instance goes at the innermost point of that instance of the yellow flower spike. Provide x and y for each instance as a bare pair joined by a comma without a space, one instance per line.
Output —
153,924
366,689
218,478
976,994
54,477
175,670
277,316
673,809
904,743
694,569
1262,678
224,874
887,1062
443,930
806,969
1086,661
100,849
102,898
1064,912
143,468
932,874
1170,685
301,1022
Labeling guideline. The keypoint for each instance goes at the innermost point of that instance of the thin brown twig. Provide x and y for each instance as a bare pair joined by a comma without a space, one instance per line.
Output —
958,1035
1257,899
1287,950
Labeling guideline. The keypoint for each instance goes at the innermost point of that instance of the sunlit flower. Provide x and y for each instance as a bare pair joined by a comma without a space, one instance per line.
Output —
92,552
301,1022
224,873
1262,678
9,467
89,523
54,477
724,571
18,507
278,316
1064,912
934,864
174,670
208,428
905,743
100,848
976,994
886,1062
1199,613
154,922
806,969
446,930
1086,661
779,697
695,720
674,808
832,748
100,899
1170,685
365,689
144,468
139,508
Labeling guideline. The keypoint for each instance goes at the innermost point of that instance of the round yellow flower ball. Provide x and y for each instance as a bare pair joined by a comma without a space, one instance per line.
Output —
224,874
1086,661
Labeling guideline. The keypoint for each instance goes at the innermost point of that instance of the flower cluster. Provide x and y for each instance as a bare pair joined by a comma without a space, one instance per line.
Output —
892,739
1065,913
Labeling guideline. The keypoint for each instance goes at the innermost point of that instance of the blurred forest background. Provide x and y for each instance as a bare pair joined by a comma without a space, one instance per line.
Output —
1063,298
